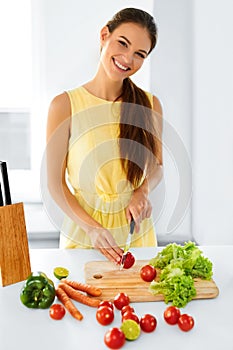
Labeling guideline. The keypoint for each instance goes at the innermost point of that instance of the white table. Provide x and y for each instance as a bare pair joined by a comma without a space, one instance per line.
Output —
23,328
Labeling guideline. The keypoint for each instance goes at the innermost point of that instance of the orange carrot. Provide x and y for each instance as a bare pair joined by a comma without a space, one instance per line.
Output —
91,290
78,296
64,298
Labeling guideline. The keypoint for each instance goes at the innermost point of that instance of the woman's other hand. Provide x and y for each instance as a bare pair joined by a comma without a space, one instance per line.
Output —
139,207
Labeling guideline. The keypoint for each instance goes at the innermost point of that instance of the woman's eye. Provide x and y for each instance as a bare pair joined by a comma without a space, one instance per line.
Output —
140,55
123,43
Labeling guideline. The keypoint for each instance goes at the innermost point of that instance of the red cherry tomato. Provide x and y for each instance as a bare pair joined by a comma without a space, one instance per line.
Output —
148,273
127,308
114,338
186,322
120,300
129,261
171,315
104,315
57,311
129,315
148,323
106,303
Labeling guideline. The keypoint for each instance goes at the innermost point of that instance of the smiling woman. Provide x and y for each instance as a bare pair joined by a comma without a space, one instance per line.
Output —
106,134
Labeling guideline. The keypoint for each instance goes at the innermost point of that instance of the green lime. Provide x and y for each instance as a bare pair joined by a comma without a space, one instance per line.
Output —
131,329
60,272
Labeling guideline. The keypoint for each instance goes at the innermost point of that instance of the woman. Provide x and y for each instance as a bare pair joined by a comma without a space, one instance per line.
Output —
106,137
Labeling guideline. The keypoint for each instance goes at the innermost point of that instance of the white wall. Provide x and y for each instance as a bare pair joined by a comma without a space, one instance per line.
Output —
192,74
171,81
213,122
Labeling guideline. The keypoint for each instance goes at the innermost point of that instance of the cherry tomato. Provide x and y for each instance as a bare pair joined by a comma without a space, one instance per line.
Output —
106,303
148,273
57,311
120,300
114,338
148,323
104,315
171,314
129,261
129,315
127,308
186,322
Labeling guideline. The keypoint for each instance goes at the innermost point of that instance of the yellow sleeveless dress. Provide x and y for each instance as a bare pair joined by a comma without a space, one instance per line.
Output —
95,174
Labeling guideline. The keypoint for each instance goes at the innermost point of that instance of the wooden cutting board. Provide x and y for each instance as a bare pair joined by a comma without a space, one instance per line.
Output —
107,276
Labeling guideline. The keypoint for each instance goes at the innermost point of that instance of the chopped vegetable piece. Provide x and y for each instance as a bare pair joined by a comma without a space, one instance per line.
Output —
60,272
131,329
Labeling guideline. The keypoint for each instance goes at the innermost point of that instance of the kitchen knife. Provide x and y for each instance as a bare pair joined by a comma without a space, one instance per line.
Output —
128,242
5,181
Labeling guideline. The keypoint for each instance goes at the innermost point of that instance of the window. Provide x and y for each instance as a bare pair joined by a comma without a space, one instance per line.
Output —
15,138
15,92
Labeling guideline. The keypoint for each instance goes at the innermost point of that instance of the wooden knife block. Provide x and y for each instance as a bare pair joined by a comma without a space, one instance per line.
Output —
14,252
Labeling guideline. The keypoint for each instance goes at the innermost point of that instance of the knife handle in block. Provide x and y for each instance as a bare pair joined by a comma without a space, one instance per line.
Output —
5,180
1,197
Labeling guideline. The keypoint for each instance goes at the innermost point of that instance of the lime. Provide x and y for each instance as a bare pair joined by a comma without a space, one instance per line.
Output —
60,272
131,329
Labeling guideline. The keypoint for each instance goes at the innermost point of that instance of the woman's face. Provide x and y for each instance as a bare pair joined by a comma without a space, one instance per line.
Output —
124,50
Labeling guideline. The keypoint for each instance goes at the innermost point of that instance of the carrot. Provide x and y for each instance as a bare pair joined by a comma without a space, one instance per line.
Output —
77,296
64,298
91,290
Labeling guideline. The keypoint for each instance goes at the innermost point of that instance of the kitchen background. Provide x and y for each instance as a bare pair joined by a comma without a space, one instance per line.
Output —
48,46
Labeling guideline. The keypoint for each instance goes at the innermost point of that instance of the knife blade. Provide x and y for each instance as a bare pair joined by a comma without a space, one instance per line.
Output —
128,242
5,180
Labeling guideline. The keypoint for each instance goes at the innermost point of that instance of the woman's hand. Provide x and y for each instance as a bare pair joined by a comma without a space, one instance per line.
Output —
103,241
139,207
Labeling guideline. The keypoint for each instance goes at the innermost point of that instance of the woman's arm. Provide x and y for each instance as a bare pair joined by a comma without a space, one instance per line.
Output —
58,133
140,207
156,174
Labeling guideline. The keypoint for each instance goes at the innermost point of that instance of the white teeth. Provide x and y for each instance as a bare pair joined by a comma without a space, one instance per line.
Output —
120,65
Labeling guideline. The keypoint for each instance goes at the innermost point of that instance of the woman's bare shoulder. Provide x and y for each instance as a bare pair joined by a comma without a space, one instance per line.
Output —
157,107
60,107
59,114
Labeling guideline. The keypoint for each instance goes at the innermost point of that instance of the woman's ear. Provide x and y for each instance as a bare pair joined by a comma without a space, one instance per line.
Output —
104,33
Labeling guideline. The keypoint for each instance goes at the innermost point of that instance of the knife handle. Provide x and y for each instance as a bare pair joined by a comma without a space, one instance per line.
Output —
132,225
1,197
5,180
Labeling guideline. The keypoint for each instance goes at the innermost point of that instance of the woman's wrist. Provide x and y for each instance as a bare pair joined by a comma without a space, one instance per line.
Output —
144,187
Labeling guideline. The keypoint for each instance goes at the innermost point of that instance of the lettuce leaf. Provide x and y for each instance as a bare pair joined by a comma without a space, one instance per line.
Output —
178,290
188,257
179,265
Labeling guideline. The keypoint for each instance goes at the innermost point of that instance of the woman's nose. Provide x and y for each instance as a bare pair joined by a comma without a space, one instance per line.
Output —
128,58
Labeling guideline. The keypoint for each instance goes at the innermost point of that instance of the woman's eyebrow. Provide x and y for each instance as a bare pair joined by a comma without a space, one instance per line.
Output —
126,39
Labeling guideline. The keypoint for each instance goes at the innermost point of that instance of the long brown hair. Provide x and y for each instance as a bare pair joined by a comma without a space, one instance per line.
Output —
138,137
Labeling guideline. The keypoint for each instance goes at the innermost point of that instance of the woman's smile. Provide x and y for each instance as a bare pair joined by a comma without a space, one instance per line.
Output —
120,66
